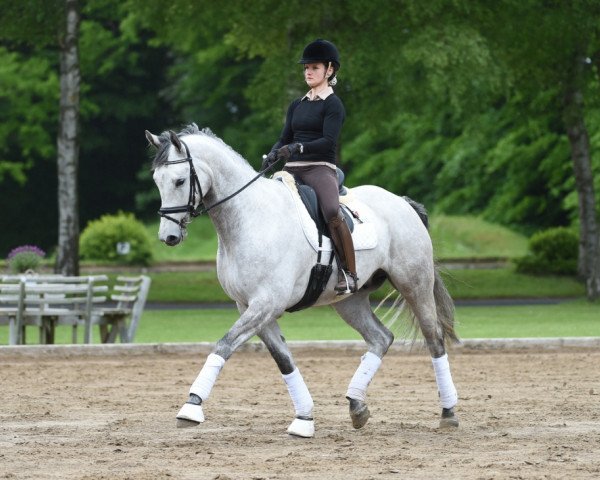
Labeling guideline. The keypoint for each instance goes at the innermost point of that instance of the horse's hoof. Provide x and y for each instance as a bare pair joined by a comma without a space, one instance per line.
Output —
449,418
301,427
190,415
183,423
359,413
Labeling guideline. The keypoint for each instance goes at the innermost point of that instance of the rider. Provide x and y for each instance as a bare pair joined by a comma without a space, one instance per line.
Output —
308,144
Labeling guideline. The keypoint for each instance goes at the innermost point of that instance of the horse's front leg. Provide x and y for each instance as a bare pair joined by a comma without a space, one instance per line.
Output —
249,324
303,425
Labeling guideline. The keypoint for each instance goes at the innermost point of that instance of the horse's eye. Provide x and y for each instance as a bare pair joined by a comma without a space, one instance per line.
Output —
180,182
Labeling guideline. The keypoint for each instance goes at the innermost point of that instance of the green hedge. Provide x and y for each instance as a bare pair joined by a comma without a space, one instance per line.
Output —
119,238
552,251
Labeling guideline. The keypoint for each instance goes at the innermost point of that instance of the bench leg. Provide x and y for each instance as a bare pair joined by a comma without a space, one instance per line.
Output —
87,333
16,333
13,336
124,331
103,333
112,335
50,328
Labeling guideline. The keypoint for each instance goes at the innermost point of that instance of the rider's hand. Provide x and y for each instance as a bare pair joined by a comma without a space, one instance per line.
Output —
269,159
287,151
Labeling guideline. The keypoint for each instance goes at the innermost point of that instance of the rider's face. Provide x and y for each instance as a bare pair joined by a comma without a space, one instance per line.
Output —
315,74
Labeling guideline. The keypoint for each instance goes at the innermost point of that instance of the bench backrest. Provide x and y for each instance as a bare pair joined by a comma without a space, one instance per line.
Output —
52,296
35,297
52,278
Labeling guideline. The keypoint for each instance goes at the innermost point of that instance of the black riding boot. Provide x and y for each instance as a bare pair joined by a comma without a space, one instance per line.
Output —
342,241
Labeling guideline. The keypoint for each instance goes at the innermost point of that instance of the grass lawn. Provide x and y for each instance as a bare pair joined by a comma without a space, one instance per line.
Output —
199,245
506,283
462,284
456,237
567,319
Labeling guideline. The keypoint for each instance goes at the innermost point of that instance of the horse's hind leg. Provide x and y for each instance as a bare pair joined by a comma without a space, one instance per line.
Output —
356,311
303,425
430,303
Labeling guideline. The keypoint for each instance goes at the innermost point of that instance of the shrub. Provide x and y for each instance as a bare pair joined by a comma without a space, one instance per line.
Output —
552,251
118,238
24,258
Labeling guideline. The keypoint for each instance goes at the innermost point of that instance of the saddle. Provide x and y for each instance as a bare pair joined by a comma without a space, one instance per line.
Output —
309,198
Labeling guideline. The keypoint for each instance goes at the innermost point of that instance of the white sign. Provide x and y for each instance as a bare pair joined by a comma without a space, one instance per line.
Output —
123,248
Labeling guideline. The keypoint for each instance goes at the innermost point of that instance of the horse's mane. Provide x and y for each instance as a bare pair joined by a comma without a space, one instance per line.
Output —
162,154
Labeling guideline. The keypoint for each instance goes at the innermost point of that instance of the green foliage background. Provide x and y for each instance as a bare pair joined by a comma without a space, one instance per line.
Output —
457,104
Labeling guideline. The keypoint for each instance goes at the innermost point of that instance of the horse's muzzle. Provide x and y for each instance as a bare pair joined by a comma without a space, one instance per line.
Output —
172,240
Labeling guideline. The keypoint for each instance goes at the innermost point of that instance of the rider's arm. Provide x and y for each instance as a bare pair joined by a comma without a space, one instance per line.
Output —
287,135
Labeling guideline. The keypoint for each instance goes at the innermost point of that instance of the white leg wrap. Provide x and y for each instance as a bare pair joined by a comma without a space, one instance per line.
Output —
443,377
303,402
369,364
207,377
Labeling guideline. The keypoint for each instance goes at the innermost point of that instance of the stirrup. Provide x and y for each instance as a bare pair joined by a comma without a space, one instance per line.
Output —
342,289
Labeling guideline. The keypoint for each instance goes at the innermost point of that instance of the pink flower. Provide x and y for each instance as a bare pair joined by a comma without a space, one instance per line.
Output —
26,249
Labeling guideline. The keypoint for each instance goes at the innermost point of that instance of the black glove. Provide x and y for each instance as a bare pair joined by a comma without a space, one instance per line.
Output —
269,159
287,151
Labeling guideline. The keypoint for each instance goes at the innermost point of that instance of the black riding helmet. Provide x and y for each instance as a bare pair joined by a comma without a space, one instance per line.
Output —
321,51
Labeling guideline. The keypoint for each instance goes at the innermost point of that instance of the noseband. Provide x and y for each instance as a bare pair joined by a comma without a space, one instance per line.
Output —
195,191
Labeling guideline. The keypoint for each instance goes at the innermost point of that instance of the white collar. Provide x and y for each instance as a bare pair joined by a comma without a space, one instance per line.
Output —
322,95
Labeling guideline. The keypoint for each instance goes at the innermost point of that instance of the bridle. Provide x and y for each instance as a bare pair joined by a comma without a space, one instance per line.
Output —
196,191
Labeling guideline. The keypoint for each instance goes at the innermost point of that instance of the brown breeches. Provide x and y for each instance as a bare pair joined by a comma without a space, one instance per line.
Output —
324,181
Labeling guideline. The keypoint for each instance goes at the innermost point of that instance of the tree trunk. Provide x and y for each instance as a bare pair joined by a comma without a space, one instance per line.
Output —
589,242
67,258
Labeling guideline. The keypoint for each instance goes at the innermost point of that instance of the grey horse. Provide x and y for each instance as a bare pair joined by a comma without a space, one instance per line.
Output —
264,260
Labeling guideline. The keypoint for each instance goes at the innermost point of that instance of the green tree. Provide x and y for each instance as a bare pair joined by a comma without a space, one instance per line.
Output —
122,92
28,99
552,46
25,25
67,255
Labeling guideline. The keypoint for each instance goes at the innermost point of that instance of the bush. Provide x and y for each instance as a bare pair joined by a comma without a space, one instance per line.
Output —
552,251
25,258
117,238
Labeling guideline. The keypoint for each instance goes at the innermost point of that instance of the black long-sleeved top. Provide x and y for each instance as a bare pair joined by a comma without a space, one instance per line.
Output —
316,125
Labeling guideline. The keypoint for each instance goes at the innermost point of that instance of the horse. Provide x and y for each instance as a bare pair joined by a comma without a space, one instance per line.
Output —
262,258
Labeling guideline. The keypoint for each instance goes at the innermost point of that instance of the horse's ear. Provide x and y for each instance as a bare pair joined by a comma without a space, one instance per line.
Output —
153,139
175,141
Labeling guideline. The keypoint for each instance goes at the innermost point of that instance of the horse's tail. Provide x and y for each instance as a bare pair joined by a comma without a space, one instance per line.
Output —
444,306
443,301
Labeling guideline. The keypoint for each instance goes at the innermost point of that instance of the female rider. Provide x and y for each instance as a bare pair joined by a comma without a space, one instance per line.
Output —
308,145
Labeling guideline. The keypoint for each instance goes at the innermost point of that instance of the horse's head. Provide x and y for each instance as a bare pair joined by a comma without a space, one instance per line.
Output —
181,189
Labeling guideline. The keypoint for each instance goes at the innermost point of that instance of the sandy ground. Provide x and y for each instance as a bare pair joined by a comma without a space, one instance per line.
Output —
533,414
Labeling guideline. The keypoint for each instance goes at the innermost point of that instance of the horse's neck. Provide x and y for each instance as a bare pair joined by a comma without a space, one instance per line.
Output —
234,217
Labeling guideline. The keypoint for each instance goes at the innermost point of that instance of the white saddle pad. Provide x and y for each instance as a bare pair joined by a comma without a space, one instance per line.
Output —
364,235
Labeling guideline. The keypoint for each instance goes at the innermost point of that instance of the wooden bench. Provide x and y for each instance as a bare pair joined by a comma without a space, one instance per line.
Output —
130,295
47,301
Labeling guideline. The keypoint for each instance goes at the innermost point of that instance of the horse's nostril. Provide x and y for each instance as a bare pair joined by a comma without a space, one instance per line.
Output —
172,240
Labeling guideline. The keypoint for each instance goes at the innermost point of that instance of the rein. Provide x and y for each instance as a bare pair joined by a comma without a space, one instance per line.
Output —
196,190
